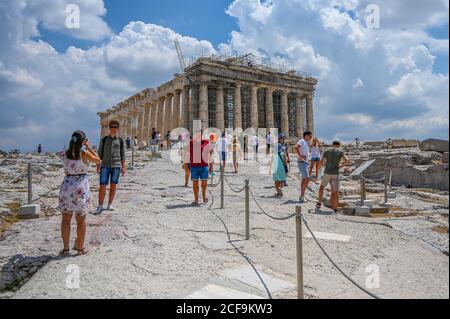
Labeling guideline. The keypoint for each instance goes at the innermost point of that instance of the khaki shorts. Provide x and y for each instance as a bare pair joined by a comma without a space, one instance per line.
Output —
333,180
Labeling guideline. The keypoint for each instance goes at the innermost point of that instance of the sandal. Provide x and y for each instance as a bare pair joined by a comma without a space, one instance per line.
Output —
195,204
82,252
64,252
318,206
206,201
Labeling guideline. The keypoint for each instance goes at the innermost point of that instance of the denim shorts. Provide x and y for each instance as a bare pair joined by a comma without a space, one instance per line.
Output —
110,175
199,173
223,156
303,167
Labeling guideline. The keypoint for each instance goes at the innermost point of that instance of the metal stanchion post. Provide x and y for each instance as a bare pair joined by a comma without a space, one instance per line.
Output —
132,158
30,188
299,235
386,182
363,189
390,179
247,210
222,185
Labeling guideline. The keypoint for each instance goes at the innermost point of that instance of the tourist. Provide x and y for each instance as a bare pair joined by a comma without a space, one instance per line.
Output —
168,141
246,148
112,153
198,155
136,142
223,145
334,159
268,142
186,165
128,141
279,165
39,149
315,157
302,151
237,153
159,141
74,194
255,145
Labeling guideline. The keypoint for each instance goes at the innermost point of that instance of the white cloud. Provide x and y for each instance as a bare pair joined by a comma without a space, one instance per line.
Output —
39,85
373,83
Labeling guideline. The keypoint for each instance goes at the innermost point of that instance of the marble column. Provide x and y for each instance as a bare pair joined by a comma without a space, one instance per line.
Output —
237,107
310,113
254,108
153,115
185,108
128,126
103,130
141,126
123,126
269,109
160,124
284,113
176,110
168,114
203,114
299,116
147,123
220,109
133,115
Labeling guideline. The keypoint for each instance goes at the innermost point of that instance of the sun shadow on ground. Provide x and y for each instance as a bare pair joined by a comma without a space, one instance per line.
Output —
20,268
179,206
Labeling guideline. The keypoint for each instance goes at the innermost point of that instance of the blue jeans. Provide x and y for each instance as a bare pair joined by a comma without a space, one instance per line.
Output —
110,175
199,173
303,167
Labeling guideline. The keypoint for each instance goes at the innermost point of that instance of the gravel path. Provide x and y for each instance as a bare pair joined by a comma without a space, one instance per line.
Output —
156,246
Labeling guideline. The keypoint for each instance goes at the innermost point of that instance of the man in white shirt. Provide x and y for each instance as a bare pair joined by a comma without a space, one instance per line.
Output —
255,146
302,150
268,142
223,146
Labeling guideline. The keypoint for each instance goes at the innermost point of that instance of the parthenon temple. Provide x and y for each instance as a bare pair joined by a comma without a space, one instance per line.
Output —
229,93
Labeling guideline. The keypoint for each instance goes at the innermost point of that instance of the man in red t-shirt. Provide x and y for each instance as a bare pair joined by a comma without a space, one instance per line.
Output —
199,157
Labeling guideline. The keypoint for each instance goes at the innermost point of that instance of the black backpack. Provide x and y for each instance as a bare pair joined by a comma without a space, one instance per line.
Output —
103,146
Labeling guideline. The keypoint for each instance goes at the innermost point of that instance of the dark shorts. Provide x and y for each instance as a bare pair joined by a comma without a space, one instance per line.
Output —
223,156
199,173
110,176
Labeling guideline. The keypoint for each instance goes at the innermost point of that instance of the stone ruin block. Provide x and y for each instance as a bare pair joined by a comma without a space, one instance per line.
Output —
29,212
436,145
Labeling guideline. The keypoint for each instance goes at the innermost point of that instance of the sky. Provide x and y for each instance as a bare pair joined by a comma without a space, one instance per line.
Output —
376,80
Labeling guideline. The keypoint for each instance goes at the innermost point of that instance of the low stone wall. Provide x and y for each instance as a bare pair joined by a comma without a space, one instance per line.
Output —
404,143
418,170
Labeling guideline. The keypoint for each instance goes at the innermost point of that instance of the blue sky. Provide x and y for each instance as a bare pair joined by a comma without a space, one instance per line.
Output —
201,19
388,82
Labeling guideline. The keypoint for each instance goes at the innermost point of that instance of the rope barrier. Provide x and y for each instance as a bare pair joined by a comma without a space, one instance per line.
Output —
268,215
218,182
374,181
335,265
231,187
13,181
249,261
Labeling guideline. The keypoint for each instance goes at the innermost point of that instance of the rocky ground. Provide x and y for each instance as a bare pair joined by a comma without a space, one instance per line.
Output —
157,246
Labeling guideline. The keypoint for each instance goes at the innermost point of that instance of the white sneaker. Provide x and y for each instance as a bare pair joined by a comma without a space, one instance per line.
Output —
111,208
303,200
99,210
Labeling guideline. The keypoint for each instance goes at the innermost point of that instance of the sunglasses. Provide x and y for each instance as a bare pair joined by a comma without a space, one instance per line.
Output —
111,127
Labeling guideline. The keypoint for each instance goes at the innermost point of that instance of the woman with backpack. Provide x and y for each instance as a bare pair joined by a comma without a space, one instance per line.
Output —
74,194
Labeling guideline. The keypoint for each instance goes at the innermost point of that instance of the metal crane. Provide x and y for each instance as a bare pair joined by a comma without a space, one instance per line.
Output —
181,60
180,55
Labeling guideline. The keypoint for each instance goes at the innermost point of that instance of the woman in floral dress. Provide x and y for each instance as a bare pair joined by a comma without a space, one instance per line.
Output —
74,194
